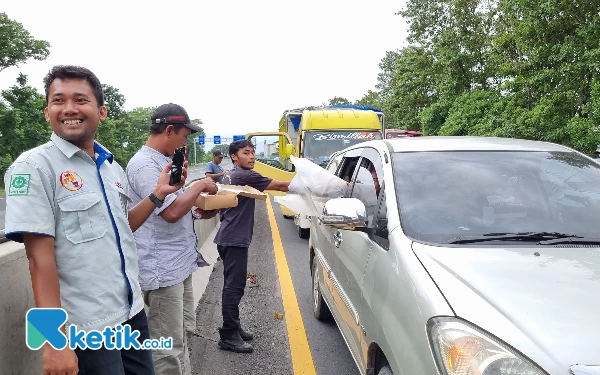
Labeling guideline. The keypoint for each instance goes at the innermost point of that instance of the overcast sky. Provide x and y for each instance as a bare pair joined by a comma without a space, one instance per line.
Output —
236,65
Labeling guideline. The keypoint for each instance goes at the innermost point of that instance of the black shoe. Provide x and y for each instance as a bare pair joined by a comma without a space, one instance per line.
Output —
233,341
245,335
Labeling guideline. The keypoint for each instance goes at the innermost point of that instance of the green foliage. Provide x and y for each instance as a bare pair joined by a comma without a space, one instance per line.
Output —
126,135
114,101
22,122
17,45
338,100
508,68
192,143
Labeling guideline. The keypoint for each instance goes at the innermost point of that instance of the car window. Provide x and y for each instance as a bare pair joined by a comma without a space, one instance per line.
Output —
364,187
368,187
445,195
347,168
335,162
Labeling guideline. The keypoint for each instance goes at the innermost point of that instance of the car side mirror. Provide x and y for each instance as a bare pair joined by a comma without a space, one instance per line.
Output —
344,213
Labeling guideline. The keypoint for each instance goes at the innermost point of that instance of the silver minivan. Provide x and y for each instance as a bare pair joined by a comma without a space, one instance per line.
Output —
462,256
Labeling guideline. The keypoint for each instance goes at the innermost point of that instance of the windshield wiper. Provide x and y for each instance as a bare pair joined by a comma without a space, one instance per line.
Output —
518,236
577,240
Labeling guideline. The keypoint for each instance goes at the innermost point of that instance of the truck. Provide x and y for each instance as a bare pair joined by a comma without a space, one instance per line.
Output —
399,133
314,133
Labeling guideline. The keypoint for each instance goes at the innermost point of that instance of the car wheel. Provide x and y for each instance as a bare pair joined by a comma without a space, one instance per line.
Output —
320,309
385,370
303,232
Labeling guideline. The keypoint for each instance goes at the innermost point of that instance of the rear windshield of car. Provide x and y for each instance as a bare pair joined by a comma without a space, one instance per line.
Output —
445,195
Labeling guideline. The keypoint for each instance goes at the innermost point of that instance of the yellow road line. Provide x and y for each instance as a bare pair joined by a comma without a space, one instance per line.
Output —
302,361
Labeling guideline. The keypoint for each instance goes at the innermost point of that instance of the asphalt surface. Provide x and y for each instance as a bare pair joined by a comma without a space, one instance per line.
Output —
257,312
258,309
328,348
198,172
193,174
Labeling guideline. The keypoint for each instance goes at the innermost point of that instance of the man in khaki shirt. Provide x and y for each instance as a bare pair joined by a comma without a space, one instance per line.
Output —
67,202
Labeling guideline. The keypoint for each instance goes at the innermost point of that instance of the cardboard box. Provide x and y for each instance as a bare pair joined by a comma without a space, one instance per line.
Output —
227,197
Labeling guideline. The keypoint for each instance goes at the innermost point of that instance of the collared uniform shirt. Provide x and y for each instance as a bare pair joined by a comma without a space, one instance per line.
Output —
59,190
167,252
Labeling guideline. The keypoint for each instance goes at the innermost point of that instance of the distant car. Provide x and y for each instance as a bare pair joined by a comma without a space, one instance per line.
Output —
462,255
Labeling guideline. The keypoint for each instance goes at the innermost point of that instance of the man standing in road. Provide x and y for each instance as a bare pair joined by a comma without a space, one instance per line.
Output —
67,202
166,243
213,169
233,240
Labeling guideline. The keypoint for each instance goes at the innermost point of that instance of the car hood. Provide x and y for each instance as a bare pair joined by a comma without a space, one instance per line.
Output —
543,301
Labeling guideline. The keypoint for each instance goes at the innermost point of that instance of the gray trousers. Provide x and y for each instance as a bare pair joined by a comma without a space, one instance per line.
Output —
171,314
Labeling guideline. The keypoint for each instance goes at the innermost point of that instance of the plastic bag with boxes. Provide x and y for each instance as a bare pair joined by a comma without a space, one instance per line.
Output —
311,188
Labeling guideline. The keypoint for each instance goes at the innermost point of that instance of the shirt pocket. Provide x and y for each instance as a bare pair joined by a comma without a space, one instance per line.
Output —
82,217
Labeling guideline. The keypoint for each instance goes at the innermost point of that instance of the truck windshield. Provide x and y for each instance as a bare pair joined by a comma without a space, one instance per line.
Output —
319,145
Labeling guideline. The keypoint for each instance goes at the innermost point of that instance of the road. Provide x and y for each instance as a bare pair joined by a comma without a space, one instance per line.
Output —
198,172
261,303
2,211
193,173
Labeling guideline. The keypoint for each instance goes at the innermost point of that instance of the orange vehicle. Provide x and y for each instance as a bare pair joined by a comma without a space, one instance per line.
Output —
398,133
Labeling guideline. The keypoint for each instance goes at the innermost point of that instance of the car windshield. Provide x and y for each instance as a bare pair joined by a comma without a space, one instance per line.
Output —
319,145
449,195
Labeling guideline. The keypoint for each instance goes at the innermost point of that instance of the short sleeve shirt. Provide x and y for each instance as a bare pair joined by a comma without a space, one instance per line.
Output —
237,223
166,251
58,190
215,169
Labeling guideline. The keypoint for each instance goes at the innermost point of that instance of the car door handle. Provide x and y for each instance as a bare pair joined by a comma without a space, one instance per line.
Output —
337,238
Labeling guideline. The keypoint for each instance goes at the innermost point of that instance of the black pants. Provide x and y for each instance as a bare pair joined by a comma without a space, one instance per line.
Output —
235,268
119,362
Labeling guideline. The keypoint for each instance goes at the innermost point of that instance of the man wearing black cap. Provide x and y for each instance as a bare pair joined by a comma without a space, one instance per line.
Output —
167,243
213,169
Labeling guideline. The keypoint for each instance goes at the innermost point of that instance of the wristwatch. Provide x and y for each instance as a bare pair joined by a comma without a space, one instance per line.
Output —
157,202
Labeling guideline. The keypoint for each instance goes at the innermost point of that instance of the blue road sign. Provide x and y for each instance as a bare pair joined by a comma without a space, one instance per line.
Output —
217,139
201,140
239,137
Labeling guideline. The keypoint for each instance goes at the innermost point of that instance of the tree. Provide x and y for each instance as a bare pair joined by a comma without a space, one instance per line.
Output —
370,99
22,121
17,45
338,100
192,144
507,68
114,101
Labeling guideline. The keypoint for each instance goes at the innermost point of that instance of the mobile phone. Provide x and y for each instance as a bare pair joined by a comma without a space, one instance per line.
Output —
177,168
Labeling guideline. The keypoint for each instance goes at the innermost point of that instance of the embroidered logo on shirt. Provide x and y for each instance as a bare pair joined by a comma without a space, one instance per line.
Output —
119,185
71,181
19,184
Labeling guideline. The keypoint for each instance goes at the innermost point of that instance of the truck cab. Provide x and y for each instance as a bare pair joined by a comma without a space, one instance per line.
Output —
314,133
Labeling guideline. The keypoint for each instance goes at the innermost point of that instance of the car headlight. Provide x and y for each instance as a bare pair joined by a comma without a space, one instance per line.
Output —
460,348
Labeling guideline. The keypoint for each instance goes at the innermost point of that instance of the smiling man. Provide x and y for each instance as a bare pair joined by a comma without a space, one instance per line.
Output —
67,201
